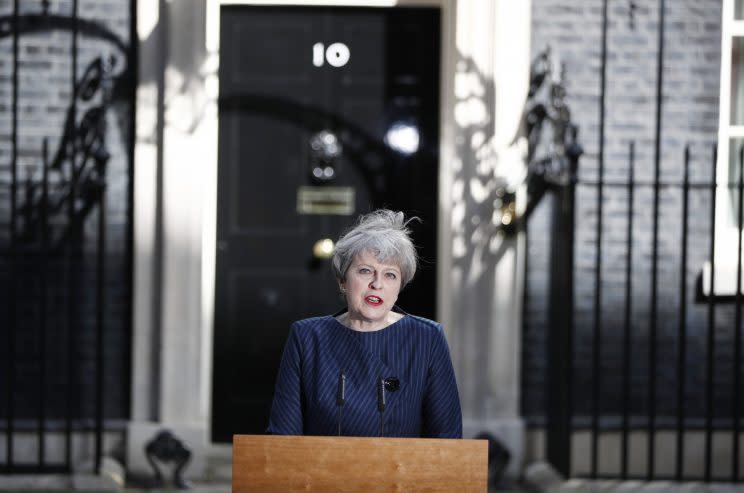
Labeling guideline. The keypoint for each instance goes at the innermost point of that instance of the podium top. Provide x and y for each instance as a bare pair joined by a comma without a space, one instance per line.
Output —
311,463
324,464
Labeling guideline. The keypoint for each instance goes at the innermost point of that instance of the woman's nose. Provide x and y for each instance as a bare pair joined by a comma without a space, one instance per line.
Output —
375,282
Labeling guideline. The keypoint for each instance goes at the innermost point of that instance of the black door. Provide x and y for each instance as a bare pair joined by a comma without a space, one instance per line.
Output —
324,114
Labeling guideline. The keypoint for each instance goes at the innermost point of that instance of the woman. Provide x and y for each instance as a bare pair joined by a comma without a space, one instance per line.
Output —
372,369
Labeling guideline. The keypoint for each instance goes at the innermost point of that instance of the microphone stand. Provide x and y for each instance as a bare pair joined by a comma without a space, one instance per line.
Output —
381,403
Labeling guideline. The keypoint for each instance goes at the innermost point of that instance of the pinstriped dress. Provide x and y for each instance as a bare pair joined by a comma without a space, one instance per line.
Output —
413,350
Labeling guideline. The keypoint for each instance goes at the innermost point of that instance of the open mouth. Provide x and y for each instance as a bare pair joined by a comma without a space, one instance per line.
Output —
373,300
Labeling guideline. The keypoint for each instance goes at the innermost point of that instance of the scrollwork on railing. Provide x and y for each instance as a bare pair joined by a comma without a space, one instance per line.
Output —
552,137
76,171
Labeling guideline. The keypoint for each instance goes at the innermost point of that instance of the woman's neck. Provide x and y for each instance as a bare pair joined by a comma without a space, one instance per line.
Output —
363,325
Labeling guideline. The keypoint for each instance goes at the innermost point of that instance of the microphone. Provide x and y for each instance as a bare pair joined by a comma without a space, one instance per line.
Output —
381,402
340,397
341,390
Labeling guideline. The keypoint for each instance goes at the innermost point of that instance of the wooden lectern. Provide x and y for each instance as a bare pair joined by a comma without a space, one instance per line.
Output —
326,464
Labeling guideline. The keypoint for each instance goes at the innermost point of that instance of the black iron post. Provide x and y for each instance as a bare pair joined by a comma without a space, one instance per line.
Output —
561,331
13,256
100,320
627,332
710,344
652,336
682,329
133,70
597,327
70,250
43,325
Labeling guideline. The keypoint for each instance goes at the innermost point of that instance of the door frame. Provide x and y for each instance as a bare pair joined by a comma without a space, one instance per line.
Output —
175,205
447,127
174,242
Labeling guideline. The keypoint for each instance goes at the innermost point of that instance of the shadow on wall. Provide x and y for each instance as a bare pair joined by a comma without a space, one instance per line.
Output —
485,184
486,215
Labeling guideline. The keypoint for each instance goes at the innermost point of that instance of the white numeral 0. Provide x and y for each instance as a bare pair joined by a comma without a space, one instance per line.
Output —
337,54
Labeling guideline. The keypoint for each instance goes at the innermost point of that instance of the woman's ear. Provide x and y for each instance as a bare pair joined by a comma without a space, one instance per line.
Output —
341,286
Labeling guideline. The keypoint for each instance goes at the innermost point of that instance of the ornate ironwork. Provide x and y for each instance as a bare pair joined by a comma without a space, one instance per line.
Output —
49,206
551,135
166,447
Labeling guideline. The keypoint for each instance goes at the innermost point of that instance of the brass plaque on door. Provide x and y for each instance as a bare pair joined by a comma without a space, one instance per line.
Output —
325,200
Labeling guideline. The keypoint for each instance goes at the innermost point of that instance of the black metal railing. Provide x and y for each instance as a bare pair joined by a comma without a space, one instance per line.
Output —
649,350
56,220
707,296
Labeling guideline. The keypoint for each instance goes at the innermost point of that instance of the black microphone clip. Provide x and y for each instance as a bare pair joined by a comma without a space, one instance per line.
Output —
392,384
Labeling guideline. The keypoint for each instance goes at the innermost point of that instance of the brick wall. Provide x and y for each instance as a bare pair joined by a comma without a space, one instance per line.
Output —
67,276
572,29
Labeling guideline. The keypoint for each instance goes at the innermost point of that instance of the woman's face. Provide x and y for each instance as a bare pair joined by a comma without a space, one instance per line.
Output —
371,289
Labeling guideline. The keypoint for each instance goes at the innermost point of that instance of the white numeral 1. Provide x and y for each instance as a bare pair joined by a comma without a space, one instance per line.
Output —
318,53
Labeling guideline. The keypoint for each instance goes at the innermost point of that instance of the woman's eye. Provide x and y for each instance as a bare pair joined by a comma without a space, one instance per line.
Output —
364,270
392,275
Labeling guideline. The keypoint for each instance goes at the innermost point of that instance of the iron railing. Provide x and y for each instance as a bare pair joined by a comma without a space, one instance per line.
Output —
56,222
572,410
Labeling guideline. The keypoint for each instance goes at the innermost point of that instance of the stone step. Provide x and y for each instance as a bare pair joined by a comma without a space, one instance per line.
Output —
608,486
219,464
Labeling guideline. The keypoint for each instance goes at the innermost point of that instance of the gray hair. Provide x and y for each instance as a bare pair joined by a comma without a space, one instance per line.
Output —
383,232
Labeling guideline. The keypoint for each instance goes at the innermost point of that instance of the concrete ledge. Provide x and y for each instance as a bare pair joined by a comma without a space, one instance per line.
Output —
110,480
540,477
56,483
608,486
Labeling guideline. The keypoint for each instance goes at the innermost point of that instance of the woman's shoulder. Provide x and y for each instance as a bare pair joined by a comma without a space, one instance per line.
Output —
425,325
313,321
312,325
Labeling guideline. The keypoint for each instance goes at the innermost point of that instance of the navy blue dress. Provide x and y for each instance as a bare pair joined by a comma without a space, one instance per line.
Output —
413,350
